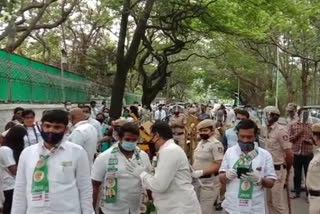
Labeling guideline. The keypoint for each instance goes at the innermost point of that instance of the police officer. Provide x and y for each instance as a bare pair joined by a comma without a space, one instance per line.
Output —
313,178
292,116
278,144
177,123
207,160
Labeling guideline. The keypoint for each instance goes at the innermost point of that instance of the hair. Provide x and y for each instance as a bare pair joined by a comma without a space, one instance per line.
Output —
163,129
86,106
247,124
129,127
14,140
56,116
317,134
93,102
242,112
275,117
28,112
101,114
134,110
18,109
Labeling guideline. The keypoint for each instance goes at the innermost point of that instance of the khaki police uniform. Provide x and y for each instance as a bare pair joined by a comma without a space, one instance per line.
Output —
276,142
177,124
219,132
313,179
206,153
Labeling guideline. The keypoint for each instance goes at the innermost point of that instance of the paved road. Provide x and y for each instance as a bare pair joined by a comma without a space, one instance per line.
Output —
299,206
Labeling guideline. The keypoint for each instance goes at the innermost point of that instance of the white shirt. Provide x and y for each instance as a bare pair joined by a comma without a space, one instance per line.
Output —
232,137
262,163
160,115
129,186
171,186
6,160
33,136
70,190
85,135
97,125
1,190
231,116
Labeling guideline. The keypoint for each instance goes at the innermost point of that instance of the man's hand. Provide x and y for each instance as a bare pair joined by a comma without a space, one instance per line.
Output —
134,169
252,177
231,174
197,173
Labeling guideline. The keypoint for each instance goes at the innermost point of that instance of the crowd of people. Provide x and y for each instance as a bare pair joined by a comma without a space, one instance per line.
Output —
198,159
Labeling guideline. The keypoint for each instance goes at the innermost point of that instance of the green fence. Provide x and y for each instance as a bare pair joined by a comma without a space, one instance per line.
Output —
26,80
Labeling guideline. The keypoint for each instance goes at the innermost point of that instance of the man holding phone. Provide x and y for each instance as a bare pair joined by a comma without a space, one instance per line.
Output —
246,170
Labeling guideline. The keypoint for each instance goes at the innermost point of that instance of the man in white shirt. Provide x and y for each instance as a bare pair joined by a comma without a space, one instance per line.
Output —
94,109
246,169
122,192
53,176
171,186
1,194
86,110
83,133
230,137
160,114
33,130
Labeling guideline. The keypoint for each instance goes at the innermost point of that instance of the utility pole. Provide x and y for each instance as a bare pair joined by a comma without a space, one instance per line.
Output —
277,79
63,62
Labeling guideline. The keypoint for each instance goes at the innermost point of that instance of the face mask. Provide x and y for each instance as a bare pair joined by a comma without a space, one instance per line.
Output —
101,120
204,136
246,146
176,113
106,115
128,146
51,137
126,115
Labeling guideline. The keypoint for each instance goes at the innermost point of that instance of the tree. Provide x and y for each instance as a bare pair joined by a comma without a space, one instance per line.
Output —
22,18
126,60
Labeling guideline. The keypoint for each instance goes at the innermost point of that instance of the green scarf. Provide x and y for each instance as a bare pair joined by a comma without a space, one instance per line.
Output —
245,161
40,182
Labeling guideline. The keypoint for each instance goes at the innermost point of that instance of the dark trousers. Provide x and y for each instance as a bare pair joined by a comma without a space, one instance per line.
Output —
299,162
8,194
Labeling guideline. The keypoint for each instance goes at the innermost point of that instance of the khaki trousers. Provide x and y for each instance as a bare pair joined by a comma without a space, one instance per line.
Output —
314,205
275,196
207,195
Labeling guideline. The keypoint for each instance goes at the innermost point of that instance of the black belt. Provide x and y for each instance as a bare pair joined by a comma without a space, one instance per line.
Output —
314,193
209,176
278,167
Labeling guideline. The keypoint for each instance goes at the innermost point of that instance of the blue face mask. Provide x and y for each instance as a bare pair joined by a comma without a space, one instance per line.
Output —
246,146
128,145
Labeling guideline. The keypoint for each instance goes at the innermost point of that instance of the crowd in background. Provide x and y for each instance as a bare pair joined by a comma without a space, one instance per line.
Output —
220,130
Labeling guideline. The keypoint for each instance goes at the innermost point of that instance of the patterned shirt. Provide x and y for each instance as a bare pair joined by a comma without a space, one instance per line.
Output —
300,136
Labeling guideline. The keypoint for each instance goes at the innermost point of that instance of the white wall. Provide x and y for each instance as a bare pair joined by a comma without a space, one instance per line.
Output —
6,111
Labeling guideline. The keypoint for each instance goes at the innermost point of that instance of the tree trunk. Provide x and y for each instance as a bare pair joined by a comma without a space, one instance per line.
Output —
126,61
150,92
290,90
